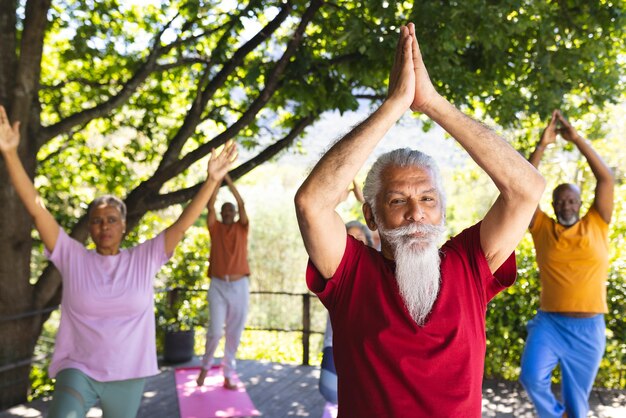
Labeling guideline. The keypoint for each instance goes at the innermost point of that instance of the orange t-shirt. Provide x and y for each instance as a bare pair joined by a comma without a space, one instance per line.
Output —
229,249
573,263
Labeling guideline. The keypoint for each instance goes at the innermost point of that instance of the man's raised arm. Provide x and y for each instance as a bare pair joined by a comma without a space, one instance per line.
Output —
548,136
241,208
605,183
211,216
519,183
322,229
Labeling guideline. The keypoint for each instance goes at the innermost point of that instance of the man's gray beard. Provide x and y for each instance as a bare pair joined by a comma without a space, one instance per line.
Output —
417,266
567,221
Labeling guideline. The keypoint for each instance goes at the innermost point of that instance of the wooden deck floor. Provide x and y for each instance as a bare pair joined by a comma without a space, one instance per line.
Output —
282,390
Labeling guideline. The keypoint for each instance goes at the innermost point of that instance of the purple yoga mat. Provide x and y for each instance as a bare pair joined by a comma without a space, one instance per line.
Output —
211,400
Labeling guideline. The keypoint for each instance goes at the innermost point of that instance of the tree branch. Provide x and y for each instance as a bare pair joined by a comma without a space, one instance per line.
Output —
194,116
180,196
185,61
275,148
29,64
264,96
186,41
80,80
370,96
114,101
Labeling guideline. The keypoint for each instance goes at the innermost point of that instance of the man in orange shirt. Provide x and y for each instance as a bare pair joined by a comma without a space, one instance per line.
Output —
229,291
573,260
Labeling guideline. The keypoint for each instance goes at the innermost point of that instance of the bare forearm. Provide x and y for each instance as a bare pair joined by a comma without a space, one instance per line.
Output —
190,214
519,183
241,209
537,154
197,204
235,193
510,172
45,223
358,193
603,200
333,174
600,169
23,185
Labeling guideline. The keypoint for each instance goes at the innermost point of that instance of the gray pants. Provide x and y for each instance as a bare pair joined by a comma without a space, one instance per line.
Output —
228,308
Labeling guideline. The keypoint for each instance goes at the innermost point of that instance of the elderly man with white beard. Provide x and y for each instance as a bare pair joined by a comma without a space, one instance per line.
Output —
409,321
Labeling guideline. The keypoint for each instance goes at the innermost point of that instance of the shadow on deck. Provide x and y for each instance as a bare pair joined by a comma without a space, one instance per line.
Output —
283,390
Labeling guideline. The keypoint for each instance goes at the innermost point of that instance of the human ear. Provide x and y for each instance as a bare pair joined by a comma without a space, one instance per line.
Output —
369,217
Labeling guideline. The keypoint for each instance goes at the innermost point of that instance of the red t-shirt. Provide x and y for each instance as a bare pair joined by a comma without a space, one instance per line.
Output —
387,365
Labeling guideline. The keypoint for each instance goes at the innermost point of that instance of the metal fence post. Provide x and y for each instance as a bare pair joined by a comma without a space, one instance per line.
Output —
306,327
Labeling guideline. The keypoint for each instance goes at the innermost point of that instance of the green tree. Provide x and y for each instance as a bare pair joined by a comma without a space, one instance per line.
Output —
121,98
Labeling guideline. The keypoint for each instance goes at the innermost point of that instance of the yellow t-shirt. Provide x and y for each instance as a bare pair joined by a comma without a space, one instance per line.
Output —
573,263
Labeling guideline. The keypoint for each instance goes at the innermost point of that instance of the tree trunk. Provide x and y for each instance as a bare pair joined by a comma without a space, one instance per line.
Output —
15,355
19,89
16,296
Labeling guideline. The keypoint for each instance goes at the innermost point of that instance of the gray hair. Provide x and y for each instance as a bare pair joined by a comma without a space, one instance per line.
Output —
108,200
402,157
365,229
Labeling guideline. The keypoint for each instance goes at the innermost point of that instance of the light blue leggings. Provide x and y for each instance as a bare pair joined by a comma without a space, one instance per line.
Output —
577,345
75,393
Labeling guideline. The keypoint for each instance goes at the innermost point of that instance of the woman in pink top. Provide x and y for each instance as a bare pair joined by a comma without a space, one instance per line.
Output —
105,345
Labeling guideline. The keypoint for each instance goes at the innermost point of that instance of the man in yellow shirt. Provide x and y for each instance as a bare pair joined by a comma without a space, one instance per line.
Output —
573,260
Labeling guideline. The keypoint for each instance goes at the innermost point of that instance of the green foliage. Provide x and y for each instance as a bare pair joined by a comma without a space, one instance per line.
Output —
277,260
502,59
510,311
508,314
274,346
180,301
507,59
508,62
41,383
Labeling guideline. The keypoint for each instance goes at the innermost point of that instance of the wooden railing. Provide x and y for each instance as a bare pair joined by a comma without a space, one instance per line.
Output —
305,329
305,325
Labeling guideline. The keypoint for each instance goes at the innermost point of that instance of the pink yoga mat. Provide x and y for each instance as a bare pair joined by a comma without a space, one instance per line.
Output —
330,410
211,400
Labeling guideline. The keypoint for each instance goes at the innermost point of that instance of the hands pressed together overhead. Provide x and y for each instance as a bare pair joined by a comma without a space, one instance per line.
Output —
566,130
558,125
409,82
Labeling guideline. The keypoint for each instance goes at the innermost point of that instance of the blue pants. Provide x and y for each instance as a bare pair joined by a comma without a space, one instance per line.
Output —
328,376
577,345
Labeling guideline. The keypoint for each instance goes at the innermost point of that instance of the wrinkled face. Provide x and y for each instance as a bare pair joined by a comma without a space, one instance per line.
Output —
228,213
409,216
566,205
106,227
358,234
408,195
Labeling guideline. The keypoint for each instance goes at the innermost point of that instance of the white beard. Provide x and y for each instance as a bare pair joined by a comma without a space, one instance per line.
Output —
567,221
417,266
